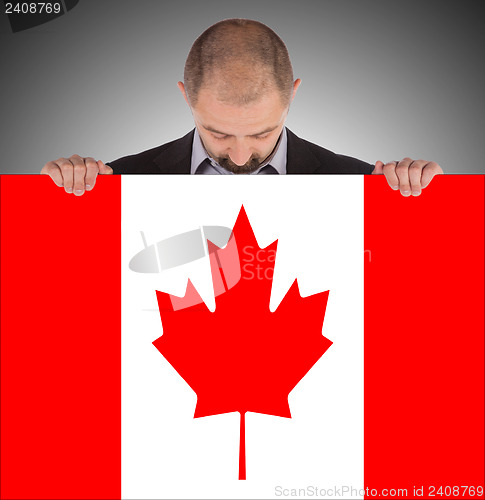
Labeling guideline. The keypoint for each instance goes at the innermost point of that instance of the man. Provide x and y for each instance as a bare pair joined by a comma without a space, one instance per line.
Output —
238,83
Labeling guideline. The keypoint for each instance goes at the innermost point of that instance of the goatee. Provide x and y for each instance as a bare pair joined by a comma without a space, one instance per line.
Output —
250,166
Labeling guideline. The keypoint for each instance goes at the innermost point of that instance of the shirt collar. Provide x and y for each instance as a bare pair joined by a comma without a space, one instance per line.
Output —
277,159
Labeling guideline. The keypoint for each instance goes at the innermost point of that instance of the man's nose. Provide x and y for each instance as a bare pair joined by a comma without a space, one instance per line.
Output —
240,153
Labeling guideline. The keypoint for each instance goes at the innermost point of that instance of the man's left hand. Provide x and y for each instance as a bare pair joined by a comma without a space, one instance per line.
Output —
409,176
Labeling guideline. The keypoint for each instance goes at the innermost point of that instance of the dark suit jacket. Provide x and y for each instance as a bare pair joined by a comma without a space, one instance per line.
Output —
303,157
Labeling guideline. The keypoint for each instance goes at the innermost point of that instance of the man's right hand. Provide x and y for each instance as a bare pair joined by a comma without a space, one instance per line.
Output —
75,174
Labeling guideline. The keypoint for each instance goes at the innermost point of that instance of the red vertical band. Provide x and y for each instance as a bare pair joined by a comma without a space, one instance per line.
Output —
60,340
424,337
242,446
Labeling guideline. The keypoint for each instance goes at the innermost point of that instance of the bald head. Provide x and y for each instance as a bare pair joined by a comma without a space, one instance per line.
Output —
241,61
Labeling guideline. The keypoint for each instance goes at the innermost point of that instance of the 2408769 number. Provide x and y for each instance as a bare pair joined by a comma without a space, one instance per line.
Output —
32,8
455,491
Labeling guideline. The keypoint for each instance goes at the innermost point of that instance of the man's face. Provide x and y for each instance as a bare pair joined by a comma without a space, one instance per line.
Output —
239,138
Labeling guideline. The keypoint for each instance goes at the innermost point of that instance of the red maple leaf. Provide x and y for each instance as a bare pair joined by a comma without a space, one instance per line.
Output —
242,357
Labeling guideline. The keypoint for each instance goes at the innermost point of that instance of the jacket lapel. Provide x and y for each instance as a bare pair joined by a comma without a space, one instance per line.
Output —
299,158
176,158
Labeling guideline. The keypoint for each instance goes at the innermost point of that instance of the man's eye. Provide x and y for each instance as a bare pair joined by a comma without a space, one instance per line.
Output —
260,137
220,137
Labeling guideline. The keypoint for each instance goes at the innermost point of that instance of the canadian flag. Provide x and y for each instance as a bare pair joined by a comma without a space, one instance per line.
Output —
364,379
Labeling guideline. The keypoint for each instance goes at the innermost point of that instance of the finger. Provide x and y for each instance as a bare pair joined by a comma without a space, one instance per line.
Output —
415,171
79,174
389,170
378,168
104,169
402,172
67,171
92,170
53,171
429,171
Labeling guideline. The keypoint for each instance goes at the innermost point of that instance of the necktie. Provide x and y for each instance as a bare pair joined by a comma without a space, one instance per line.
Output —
268,170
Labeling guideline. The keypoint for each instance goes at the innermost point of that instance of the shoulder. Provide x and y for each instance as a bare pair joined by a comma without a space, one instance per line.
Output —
323,160
155,160
138,163
338,163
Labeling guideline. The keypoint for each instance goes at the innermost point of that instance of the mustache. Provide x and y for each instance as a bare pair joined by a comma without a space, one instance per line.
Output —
250,166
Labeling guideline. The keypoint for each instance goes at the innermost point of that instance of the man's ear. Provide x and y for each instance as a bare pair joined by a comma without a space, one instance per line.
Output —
181,87
295,88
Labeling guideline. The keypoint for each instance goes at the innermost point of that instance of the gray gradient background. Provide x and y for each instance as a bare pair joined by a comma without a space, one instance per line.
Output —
381,79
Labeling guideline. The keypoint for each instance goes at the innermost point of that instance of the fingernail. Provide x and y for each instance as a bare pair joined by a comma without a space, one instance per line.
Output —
68,190
395,188
406,193
88,186
78,191
416,193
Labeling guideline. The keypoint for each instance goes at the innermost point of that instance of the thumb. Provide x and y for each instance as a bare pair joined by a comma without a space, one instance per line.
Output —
104,169
378,168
